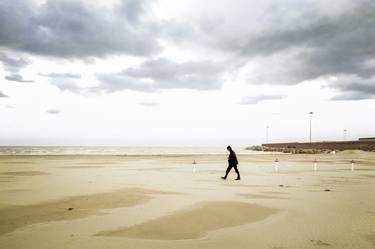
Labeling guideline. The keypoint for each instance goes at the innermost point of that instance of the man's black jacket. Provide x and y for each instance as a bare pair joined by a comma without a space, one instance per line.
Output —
232,159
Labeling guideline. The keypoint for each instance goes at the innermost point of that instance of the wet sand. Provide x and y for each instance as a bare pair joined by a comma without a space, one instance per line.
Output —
23,173
71,208
195,222
159,202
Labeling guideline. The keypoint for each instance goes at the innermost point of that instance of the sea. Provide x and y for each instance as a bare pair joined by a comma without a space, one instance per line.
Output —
118,150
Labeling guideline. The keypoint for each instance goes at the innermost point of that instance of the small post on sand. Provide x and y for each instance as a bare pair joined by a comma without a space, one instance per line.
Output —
276,165
352,165
315,165
194,166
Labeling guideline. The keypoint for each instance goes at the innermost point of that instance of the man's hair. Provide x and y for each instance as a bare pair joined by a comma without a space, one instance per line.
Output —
229,148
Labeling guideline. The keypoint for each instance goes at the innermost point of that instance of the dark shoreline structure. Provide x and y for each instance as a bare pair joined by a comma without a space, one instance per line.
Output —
365,144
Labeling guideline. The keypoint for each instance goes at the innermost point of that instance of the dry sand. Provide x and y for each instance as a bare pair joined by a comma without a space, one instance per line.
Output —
158,202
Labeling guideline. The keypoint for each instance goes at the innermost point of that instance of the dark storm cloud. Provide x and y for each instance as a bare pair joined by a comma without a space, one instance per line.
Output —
2,95
17,78
76,29
353,96
288,42
156,74
12,64
250,100
354,88
278,42
326,47
132,9
314,47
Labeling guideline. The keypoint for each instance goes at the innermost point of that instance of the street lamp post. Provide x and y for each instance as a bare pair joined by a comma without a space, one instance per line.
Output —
311,114
267,127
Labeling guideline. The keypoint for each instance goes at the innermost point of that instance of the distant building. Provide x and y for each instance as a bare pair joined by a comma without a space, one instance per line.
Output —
360,144
366,139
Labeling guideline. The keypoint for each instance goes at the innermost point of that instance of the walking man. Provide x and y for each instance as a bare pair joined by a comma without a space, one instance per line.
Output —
232,163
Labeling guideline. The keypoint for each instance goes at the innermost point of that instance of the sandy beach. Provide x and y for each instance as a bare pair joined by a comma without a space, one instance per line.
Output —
162,201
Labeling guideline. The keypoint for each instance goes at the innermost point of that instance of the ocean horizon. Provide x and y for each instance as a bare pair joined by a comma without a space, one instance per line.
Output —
119,150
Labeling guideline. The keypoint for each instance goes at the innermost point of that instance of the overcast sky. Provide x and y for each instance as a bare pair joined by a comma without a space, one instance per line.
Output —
185,72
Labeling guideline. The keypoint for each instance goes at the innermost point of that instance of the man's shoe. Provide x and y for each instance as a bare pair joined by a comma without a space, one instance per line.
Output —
223,177
237,179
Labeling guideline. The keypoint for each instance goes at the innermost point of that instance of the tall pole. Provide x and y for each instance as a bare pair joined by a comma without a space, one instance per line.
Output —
311,114
345,130
267,127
